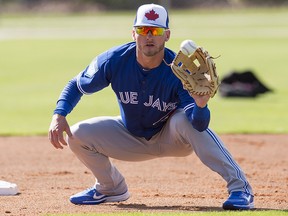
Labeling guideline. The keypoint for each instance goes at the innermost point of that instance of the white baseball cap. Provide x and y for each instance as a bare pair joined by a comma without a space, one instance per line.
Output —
152,15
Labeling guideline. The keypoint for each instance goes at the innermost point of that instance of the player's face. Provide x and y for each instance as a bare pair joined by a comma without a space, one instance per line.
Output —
150,40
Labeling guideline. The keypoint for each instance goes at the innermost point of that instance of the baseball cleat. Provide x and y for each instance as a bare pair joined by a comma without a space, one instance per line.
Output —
92,197
239,200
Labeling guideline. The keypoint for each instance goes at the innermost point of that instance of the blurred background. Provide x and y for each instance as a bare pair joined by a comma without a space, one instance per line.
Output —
43,44
94,5
8,6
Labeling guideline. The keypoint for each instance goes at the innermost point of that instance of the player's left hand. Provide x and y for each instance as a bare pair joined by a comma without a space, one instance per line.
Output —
201,100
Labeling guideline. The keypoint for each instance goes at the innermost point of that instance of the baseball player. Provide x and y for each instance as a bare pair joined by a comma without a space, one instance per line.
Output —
158,117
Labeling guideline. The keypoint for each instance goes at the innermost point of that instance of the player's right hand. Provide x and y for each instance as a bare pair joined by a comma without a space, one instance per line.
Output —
58,126
201,100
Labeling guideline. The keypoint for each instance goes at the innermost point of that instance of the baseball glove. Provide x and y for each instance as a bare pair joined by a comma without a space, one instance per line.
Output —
197,72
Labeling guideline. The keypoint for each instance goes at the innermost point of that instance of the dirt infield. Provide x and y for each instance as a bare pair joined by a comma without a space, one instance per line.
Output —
46,177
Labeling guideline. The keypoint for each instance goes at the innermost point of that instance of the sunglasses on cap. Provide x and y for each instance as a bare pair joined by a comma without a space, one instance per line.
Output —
155,31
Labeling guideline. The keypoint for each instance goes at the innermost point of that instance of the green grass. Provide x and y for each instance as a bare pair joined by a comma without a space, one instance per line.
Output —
39,54
226,213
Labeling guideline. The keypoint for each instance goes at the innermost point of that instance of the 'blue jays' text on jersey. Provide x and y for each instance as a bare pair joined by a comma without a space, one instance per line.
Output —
146,97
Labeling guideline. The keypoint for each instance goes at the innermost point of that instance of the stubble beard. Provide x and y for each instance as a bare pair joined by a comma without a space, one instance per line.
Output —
153,52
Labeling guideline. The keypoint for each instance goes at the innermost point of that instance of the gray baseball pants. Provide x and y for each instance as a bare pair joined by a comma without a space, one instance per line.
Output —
96,140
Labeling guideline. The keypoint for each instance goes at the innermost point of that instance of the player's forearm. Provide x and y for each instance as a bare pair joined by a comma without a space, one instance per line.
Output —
200,118
68,99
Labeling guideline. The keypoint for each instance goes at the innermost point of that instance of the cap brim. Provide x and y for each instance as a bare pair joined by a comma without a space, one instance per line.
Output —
152,25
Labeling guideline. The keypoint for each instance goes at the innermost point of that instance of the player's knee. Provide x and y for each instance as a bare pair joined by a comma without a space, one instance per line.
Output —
83,135
81,131
77,137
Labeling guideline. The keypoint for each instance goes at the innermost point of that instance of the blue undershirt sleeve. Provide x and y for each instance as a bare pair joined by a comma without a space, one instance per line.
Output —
68,99
197,116
200,118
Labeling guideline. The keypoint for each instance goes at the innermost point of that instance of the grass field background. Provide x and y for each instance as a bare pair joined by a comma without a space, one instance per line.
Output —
40,54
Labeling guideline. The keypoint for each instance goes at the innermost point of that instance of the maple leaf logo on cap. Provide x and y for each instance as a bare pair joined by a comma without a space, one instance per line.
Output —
152,15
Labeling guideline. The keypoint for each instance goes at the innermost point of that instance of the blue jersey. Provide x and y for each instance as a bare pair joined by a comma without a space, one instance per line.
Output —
146,97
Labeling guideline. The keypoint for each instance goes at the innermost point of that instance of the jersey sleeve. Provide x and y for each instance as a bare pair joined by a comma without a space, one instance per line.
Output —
96,76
